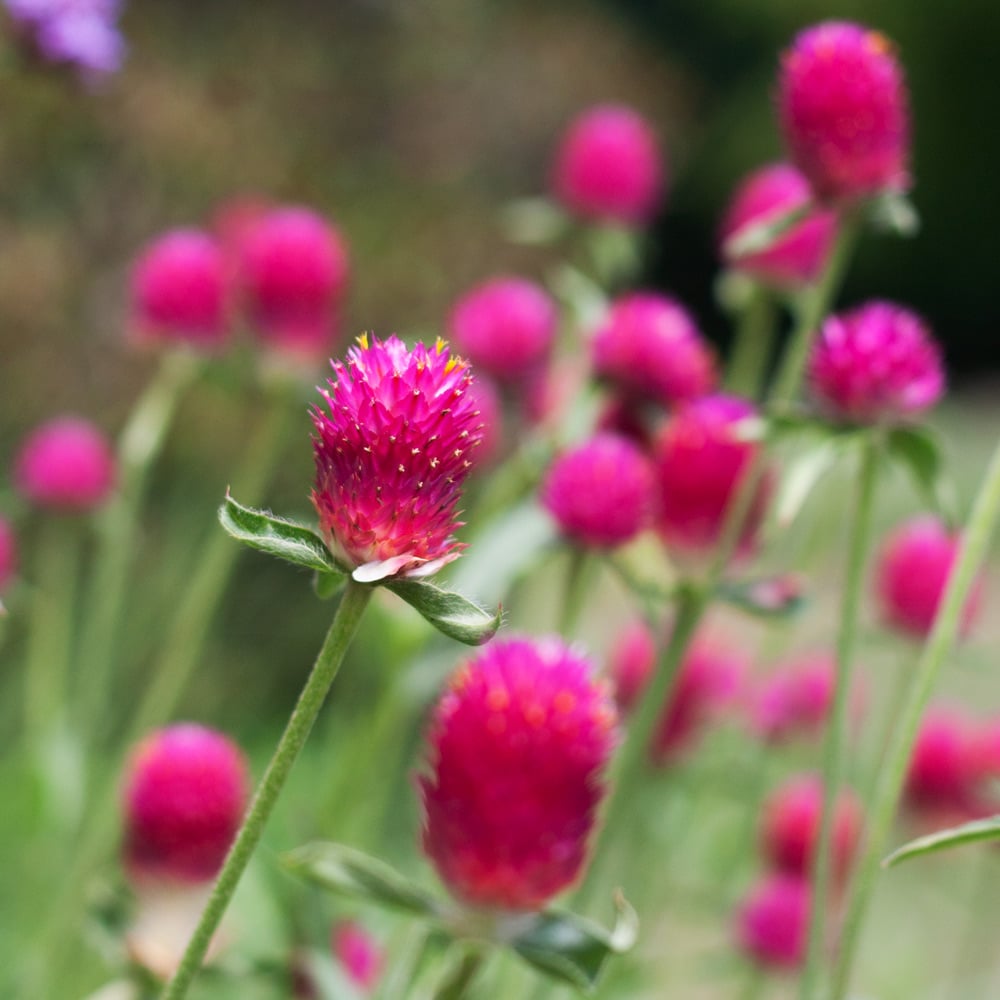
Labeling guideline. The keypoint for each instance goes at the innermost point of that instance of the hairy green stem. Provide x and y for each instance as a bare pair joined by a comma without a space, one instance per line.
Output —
752,345
835,742
947,625
331,655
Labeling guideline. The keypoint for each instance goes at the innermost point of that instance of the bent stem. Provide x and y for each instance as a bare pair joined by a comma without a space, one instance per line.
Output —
892,775
342,630
836,733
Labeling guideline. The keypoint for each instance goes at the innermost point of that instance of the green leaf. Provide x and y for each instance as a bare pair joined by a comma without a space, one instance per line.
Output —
780,596
454,615
348,872
277,536
895,213
757,236
802,475
918,450
572,949
943,840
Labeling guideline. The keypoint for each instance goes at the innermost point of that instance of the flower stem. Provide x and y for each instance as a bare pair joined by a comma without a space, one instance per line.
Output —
459,976
578,574
834,744
342,630
947,625
752,346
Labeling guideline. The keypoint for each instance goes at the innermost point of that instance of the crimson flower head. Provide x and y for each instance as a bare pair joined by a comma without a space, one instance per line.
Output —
65,465
944,764
600,492
913,568
505,327
519,743
392,449
8,554
773,921
608,167
179,290
876,363
650,349
798,255
845,112
185,791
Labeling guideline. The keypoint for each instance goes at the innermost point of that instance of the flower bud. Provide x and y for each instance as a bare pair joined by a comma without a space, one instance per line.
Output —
773,922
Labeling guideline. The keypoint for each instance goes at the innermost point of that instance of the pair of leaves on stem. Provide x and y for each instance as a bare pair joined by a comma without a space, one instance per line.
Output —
450,613
561,945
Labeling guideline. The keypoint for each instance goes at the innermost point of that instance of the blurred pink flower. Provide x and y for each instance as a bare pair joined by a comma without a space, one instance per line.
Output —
944,766
632,661
8,554
773,921
359,953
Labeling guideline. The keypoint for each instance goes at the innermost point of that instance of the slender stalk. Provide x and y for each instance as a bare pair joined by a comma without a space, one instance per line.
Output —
834,744
578,575
755,985
752,345
457,979
892,776
342,630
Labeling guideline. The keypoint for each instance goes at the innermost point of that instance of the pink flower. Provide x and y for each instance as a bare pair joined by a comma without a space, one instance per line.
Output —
633,659
844,111
359,954
294,270
876,363
391,456
608,167
179,290
519,743
649,348
798,255
600,492
790,829
8,554
913,568
505,326
67,465
701,460
773,922
185,791
942,763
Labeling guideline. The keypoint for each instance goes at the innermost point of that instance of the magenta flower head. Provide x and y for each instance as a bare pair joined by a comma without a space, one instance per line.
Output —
179,290
943,764
600,492
608,167
505,326
8,554
519,744
358,953
185,791
65,465
876,363
700,461
633,659
913,568
294,270
773,921
798,255
391,455
844,111
650,349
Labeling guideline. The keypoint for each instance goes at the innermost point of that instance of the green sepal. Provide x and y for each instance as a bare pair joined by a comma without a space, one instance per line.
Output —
450,613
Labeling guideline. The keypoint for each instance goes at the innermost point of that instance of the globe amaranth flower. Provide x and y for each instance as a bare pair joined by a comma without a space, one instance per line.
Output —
650,349
701,459
943,769
608,167
179,290
358,953
65,465
600,493
797,256
773,920
913,568
518,746
392,449
505,326
876,363
186,788
8,554
789,833
844,111
293,273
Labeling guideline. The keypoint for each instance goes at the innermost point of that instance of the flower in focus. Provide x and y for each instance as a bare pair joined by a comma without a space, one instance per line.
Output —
650,349
519,743
600,492
66,465
913,568
878,362
797,256
845,112
608,167
178,290
358,953
632,661
8,554
773,920
505,326
293,273
701,459
185,792
391,455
